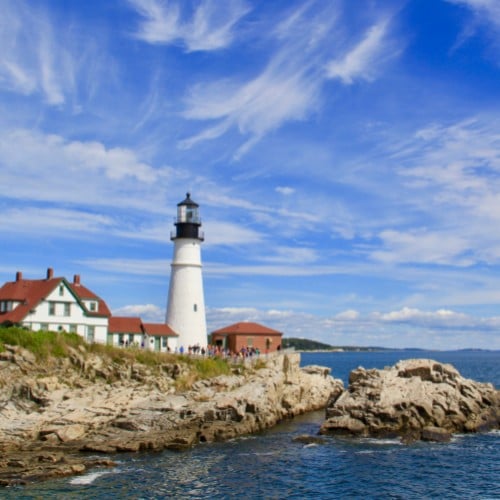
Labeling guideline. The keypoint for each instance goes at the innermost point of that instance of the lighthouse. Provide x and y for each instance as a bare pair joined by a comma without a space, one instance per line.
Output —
186,305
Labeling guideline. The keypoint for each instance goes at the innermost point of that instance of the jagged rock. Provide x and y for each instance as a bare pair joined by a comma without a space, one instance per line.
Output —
70,432
416,399
435,434
317,370
306,439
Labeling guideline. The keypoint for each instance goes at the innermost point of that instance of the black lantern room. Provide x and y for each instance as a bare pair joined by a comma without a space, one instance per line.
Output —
188,220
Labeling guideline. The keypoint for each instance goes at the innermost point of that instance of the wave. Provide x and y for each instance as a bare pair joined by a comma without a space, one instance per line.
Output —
89,478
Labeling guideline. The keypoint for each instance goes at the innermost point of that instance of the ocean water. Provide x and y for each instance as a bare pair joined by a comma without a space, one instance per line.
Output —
271,466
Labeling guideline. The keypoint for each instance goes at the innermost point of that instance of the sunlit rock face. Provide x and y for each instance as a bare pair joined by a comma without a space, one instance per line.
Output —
52,413
415,399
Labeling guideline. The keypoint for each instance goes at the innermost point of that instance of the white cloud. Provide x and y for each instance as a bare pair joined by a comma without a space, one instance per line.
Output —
349,315
153,267
37,57
364,61
270,270
88,173
285,190
439,319
291,255
210,26
451,179
52,222
147,312
404,328
261,105
289,87
485,20
423,246
486,10
228,233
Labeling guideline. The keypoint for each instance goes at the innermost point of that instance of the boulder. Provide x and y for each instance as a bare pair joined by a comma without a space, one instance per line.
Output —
415,399
306,439
70,432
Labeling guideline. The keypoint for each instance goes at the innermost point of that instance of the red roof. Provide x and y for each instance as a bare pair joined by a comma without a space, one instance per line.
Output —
31,292
84,293
158,329
248,328
122,324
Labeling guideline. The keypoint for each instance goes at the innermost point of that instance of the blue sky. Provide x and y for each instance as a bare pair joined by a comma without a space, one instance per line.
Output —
345,156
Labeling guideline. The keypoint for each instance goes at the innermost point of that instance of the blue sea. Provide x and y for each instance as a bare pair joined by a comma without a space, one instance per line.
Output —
271,466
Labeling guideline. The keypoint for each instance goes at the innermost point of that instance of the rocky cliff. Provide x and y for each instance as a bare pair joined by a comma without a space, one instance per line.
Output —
51,415
415,399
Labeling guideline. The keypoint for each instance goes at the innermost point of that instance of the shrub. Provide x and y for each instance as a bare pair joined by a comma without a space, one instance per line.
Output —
42,343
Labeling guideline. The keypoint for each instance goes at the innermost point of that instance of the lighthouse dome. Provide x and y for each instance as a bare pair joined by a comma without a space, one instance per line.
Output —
187,211
188,220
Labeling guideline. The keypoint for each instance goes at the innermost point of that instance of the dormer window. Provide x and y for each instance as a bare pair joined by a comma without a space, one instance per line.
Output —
93,306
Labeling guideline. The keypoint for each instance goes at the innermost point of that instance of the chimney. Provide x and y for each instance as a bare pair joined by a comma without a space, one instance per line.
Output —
50,273
19,276
76,279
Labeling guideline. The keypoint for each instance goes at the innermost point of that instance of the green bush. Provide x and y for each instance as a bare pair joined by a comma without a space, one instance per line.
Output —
42,343
210,367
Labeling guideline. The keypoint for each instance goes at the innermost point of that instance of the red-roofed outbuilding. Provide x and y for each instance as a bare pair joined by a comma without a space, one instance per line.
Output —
249,335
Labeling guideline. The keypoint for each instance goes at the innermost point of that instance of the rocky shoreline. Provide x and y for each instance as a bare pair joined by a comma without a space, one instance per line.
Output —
61,418
74,413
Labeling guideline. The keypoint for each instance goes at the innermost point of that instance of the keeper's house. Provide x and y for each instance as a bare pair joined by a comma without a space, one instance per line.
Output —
247,334
55,304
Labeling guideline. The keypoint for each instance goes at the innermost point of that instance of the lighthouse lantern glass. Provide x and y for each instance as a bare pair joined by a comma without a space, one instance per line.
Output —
187,213
192,214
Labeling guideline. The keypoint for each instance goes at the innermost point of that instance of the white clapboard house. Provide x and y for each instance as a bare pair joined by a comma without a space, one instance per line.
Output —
56,304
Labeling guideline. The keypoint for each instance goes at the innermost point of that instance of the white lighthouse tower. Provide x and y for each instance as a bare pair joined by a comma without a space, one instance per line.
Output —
186,305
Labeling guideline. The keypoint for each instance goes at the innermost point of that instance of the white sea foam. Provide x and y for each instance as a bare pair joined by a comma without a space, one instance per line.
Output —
89,478
382,442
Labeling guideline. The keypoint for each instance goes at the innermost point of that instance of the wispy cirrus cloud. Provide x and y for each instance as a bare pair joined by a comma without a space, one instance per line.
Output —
52,222
32,58
289,87
423,246
485,18
365,59
448,174
487,11
208,25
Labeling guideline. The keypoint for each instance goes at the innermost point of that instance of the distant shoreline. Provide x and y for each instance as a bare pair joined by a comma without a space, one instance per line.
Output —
391,349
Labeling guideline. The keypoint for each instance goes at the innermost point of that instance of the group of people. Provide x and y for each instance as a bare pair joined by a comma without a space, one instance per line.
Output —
217,350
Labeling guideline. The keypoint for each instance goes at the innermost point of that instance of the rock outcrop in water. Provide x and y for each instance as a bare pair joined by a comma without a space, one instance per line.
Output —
55,418
415,399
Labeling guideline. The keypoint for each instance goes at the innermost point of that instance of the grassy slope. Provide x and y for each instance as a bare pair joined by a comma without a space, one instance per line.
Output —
47,344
